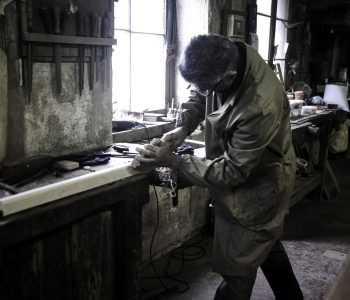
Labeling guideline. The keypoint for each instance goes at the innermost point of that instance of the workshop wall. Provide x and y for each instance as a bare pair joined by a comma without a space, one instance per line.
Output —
318,41
48,123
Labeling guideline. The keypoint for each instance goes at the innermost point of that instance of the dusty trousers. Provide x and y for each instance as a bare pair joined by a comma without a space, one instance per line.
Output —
278,272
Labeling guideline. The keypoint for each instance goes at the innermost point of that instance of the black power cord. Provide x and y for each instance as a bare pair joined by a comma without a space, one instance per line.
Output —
184,253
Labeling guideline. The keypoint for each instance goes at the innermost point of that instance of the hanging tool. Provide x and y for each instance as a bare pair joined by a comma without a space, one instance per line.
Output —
57,30
104,34
83,30
45,16
98,29
29,49
109,48
92,57
27,25
93,51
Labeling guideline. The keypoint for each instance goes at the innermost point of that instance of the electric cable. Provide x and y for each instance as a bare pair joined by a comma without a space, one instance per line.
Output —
152,241
184,255
160,278
144,126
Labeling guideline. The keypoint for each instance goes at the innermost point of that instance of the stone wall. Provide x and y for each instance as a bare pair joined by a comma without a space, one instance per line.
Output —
49,123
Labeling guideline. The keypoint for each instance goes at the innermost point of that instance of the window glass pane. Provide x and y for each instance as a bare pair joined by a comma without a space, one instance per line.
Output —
122,14
138,60
121,71
264,7
280,39
147,16
147,72
282,9
263,31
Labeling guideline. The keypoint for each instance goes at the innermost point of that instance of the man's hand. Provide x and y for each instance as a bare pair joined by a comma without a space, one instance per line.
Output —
175,137
155,154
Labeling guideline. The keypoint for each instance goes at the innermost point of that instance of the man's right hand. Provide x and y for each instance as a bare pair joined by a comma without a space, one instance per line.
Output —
175,137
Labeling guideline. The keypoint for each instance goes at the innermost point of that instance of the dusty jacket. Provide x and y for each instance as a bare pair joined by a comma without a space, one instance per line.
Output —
249,165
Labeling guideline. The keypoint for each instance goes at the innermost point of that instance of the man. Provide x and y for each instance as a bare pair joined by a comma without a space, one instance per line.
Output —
250,161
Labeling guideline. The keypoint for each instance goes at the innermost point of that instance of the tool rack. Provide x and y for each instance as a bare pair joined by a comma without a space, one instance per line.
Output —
66,39
40,46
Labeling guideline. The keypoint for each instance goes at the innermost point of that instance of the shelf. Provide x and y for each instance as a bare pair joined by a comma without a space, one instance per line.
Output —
305,185
67,39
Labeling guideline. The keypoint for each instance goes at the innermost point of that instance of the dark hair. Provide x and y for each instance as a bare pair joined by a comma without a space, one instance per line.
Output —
207,57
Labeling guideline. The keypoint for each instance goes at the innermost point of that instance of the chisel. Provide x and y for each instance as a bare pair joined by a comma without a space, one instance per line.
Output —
95,28
45,16
82,27
57,30
29,49
109,48
93,52
98,29
104,34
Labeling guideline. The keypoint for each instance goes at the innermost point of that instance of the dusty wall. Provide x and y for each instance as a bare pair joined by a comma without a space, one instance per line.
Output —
58,125
52,124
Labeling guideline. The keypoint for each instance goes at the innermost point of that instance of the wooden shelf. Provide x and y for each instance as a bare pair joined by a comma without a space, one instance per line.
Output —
67,39
305,185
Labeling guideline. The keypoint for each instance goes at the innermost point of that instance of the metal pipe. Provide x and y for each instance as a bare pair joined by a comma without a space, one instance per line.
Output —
272,32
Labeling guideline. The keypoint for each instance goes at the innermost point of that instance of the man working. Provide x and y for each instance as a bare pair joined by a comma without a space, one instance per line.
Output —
249,166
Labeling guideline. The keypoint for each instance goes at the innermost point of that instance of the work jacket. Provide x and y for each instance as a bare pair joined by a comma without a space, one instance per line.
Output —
249,166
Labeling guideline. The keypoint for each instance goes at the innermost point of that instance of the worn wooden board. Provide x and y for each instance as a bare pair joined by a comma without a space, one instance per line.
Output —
59,190
42,265
86,246
92,268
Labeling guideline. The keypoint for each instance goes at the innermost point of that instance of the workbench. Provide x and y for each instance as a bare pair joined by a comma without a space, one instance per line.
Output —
315,181
77,237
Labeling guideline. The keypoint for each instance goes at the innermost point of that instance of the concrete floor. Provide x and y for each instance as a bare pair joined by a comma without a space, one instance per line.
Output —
317,239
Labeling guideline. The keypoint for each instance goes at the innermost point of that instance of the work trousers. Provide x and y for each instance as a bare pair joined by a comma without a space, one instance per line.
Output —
278,272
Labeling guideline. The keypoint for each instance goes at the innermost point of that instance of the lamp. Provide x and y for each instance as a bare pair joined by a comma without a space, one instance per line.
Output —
336,94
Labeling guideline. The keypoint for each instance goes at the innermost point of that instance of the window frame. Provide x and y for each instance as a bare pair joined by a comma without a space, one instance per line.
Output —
273,19
169,66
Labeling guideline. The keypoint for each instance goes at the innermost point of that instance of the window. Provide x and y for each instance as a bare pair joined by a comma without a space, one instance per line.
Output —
263,26
263,30
139,58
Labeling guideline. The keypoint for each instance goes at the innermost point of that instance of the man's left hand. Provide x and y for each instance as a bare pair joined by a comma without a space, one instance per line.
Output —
157,154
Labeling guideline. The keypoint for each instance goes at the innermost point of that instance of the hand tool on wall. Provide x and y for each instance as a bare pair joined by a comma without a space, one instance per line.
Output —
93,52
45,16
27,25
98,29
57,30
82,27
104,34
29,49
109,56
94,33
86,21
109,48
